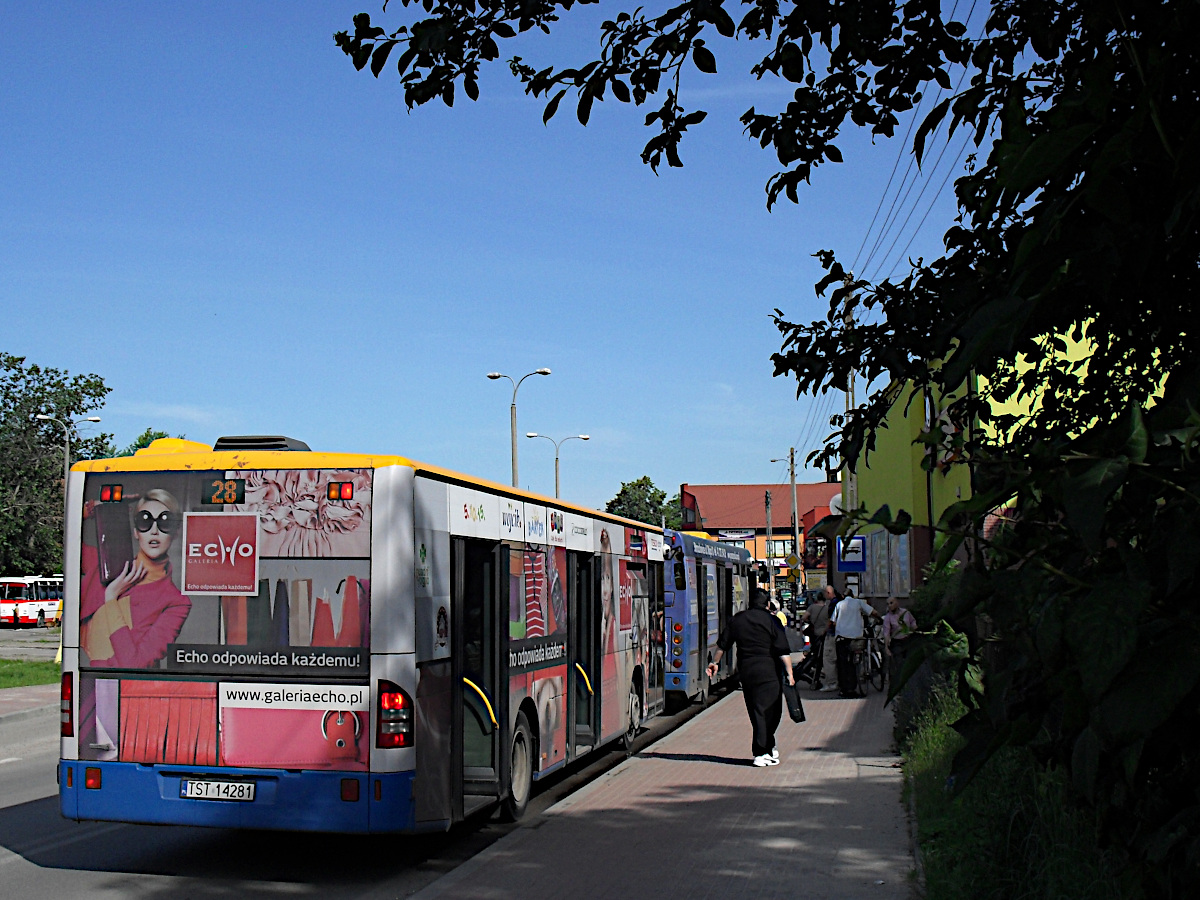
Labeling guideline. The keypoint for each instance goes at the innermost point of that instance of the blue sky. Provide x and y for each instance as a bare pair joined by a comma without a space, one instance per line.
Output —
208,206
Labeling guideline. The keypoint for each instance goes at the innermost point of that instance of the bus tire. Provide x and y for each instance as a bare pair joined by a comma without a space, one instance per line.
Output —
520,772
635,719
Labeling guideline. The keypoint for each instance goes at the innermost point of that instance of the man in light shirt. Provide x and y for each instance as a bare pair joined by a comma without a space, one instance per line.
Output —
898,627
846,622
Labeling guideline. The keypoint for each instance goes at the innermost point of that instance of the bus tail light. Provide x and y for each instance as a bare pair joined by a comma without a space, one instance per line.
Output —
67,707
678,626
91,778
677,663
393,717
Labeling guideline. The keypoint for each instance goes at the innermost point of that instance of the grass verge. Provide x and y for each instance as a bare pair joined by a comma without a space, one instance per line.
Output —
22,672
1014,832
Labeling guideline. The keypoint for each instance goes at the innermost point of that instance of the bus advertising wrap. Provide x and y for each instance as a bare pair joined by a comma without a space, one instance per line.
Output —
176,577
222,574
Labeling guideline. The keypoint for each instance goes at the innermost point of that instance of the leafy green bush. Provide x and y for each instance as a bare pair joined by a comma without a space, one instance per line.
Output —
927,601
1014,832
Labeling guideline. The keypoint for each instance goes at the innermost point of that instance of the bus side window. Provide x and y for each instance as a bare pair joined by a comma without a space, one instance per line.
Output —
680,579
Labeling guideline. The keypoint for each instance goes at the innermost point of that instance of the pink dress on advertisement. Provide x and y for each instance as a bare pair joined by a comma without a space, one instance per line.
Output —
158,611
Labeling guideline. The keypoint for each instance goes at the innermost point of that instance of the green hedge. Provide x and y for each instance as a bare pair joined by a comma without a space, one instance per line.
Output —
1013,833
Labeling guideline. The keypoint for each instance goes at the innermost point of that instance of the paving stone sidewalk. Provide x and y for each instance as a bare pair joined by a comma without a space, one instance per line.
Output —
690,817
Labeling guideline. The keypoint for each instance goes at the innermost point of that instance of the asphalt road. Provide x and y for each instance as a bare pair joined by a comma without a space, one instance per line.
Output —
44,855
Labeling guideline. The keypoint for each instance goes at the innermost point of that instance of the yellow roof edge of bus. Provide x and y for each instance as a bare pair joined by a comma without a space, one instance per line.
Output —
202,458
182,455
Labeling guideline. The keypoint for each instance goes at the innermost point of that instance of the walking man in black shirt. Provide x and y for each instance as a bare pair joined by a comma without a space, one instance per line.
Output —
762,646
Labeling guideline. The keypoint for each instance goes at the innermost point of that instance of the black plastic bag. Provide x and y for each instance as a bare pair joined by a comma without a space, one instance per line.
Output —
791,696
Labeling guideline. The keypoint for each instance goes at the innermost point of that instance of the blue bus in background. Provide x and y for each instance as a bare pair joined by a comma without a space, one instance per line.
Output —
707,582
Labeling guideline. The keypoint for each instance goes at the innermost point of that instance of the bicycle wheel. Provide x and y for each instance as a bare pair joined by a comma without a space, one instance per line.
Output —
877,672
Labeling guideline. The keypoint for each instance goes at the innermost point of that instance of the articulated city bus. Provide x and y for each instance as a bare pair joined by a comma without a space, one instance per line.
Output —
707,584
256,635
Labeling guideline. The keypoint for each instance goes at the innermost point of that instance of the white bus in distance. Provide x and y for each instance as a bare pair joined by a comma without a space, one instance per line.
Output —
30,599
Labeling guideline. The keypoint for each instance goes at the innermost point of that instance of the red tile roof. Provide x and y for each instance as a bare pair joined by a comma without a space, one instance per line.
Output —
743,506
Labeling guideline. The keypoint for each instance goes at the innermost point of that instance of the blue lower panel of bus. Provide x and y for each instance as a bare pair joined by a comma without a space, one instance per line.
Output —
291,801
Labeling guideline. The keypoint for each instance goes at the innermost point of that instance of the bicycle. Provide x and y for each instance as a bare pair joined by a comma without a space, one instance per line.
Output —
870,658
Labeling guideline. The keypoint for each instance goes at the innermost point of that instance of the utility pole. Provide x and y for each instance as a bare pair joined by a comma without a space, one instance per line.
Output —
851,477
795,527
770,564
794,571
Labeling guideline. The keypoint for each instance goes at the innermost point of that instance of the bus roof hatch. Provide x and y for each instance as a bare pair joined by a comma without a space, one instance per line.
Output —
260,442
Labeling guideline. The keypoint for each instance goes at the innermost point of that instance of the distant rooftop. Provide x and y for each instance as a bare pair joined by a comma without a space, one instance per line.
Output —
742,505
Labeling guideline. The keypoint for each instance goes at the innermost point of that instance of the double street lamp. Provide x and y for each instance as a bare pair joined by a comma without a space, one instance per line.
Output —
67,429
513,412
557,444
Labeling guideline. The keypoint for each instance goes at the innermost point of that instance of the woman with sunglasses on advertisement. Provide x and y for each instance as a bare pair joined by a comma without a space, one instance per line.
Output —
129,623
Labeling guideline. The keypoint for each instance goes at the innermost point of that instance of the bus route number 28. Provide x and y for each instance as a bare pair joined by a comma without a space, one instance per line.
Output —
231,491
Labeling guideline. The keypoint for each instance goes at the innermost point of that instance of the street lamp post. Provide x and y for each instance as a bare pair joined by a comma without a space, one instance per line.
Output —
67,429
557,444
513,412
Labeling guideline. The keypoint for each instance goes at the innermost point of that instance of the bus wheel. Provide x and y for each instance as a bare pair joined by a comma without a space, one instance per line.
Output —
520,772
41,622
635,719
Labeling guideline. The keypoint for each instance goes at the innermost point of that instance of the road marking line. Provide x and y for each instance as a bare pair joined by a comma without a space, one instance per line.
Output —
10,759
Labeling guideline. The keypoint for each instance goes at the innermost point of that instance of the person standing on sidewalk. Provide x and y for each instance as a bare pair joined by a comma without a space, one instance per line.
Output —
829,650
847,622
762,647
898,627
816,621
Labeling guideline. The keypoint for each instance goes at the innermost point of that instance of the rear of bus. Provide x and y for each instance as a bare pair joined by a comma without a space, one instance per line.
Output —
217,640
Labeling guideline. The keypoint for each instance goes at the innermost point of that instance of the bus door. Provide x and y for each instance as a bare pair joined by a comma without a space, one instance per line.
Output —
711,608
584,654
656,688
701,622
725,592
715,574
477,581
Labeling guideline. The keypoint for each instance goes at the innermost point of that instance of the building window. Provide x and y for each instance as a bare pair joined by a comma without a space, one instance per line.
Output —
778,549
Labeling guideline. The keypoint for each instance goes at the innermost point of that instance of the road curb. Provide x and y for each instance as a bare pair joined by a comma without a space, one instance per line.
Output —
20,715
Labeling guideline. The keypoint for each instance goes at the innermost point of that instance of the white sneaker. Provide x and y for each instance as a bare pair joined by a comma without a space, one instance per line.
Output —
829,687
765,760
775,754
